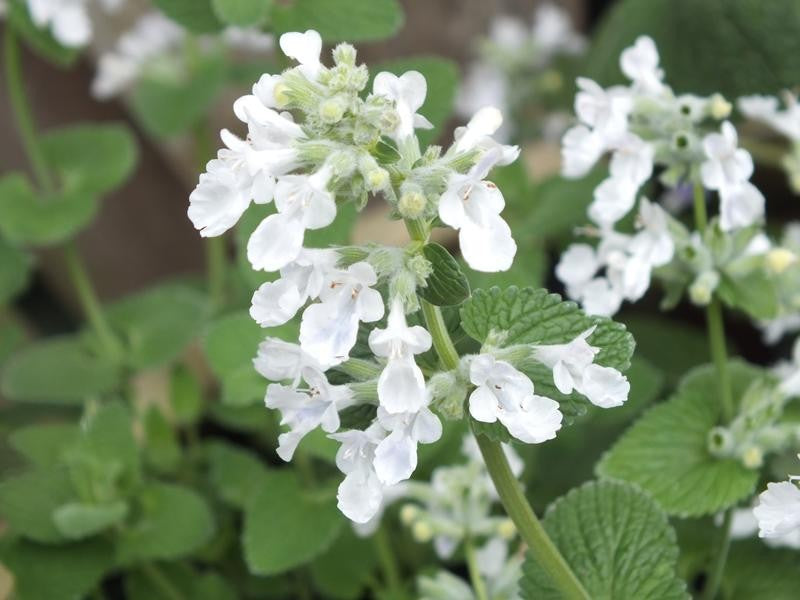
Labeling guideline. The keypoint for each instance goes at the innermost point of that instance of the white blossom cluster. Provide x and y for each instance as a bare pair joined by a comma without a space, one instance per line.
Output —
313,141
778,513
156,44
783,120
516,54
68,20
645,126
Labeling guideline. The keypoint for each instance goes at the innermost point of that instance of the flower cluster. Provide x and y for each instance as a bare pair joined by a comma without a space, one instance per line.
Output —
645,126
68,20
778,511
516,69
314,142
154,46
785,121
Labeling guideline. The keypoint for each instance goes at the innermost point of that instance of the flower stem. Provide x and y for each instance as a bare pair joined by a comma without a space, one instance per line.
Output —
391,573
22,114
160,581
89,302
541,547
719,355
478,584
441,338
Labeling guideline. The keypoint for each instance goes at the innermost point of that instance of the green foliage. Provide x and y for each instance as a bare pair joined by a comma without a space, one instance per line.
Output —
78,520
43,445
446,285
60,370
236,473
756,571
161,446
734,47
753,293
342,572
28,501
617,541
56,572
336,20
286,526
244,13
172,521
157,324
15,266
666,451
186,396
442,78
195,15
182,578
39,39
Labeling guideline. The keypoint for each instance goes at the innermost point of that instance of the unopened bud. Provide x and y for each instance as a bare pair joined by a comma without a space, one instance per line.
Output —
342,163
332,110
506,529
377,179
753,457
422,532
412,203
279,93
780,259
344,54
719,107
702,289
409,514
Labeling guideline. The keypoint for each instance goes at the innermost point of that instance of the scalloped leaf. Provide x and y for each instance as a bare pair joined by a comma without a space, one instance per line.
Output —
666,453
618,542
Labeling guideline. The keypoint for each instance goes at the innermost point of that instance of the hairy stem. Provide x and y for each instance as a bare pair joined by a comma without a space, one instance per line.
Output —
719,355
478,584
541,547
20,107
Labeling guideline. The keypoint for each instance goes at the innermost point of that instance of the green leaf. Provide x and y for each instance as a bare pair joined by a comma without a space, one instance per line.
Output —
43,445
60,370
157,324
243,13
27,502
734,47
446,285
57,572
754,293
186,396
39,39
442,78
195,15
91,158
236,473
755,571
340,20
284,526
666,451
27,217
15,267
169,107
529,316
230,346
183,578
618,542
342,572
162,448
78,520
173,521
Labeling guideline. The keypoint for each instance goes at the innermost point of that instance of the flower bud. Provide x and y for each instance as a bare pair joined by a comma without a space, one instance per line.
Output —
506,529
342,163
420,267
412,202
344,54
702,289
332,110
753,457
719,107
279,93
409,514
780,259
720,442
377,179
422,532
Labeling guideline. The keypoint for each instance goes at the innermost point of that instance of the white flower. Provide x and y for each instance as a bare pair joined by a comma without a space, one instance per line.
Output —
329,328
600,297
68,20
396,454
276,302
477,134
726,164
401,386
653,243
305,48
613,199
745,525
740,205
778,510
278,360
605,111
577,267
506,395
303,202
574,369
553,31
473,206
766,109
484,85
219,200
581,148
305,410
408,93
248,39
632,159
361,492
640,65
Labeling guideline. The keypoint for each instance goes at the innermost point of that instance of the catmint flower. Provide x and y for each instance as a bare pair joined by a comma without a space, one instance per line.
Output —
477,135
305,48
360,495
401,386
408,92
504,394
396,454
778,510
767,110
68,20
278,360
640,64
303,410
329,328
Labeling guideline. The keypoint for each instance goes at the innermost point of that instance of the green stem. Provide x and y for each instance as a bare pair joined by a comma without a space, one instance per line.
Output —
159,580
478,584
22,114
718,567
541,547
89,302
441,337
700,216
391,572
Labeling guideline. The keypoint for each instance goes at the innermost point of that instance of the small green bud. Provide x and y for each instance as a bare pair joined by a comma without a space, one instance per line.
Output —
344,54
422,532
420,267
506,529
412,203
409,514
702,289
780,259
753,457
342,163
719,107
332,110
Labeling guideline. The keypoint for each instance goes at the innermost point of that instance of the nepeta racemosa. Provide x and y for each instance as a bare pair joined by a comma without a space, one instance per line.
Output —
315,141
